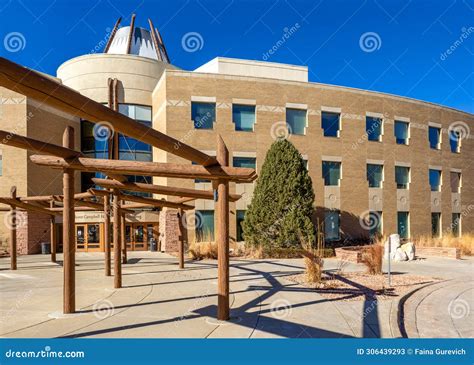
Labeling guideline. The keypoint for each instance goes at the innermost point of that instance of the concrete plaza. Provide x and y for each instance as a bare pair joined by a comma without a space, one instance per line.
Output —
159,300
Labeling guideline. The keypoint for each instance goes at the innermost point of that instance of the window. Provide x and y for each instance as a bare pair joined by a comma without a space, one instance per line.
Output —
331,225
402,131
436,224
456,224
375,225
1,163
240,215
434,135
243,117
435,180
403,223
373,127
296,120
331,173
331,124
455,141
374,175
455,182
203,115
204,227
402,177
249,162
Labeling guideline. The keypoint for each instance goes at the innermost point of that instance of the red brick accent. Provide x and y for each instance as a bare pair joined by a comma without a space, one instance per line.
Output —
169,230
449,252
33,228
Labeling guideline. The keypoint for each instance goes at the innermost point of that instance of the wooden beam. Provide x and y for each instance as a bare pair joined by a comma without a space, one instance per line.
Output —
52,93
117,241
53,239
159,189
137,206
112,35
123,240
27,206
47,198
107,235
13,248
222,210
238,174
155,40
60,210
181,239
30,144
69,241
130,35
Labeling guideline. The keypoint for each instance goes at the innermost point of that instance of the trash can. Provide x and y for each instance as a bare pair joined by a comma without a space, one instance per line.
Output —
45,248
153,245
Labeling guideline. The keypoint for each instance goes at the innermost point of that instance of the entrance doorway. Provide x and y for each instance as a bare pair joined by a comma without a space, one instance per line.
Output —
89,237
139,235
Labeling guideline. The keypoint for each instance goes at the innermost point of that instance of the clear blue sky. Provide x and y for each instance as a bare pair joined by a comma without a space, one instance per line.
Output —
407,56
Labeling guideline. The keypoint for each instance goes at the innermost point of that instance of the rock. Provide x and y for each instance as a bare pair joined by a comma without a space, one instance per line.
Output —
400,255
409,249
394,240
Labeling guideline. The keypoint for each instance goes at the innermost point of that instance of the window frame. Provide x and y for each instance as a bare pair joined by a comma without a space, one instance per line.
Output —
408,228
339,163
407,142
438,145
380,136
458,142
438,233
326,214
382,173
214,104
339,124
290,127
440,179
409,177
254,117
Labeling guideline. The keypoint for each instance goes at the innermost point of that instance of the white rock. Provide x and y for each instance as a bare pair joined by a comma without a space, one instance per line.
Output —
409,249
400,255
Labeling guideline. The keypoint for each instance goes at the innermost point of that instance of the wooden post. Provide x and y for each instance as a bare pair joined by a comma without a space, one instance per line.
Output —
222,238
13,248
107,234
123,240
181,239
69,244
117,242
53,234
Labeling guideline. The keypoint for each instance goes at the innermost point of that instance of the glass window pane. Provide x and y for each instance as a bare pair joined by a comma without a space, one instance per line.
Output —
296,120
456,224
401,132
204,225
143,113
435,180
403,228
330,122
454,141
240,215
435,224
402,177
455,182
373,128
249,162
331,173
331,225
433,135
203,115
93,235
127,109
243,117
375,175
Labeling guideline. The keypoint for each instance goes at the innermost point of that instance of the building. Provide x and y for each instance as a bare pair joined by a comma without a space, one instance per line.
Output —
379,163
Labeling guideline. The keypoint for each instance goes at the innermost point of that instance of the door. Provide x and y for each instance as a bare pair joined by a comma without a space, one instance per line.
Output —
89,237
81,237
139,243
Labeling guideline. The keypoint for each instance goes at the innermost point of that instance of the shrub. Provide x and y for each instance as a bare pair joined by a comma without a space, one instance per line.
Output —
372,259
465,243
282,203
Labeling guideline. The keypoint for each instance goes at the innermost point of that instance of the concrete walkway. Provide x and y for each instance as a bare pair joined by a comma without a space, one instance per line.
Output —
160,300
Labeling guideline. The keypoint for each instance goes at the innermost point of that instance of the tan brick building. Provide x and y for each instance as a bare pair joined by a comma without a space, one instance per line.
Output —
390,158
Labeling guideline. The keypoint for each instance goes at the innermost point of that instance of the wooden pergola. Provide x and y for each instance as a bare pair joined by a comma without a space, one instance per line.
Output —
113,200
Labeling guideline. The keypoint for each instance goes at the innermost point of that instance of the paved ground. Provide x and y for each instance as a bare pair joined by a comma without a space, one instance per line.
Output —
160,300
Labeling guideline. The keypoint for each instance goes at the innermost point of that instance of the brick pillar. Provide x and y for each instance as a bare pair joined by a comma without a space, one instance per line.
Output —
33,228
169,230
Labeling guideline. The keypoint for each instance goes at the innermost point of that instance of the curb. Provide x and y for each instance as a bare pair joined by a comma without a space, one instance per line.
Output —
397,312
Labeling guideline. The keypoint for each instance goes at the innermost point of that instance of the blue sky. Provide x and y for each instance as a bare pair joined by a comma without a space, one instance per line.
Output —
392,46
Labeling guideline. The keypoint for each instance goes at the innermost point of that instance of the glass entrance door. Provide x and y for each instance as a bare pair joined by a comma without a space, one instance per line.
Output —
89,237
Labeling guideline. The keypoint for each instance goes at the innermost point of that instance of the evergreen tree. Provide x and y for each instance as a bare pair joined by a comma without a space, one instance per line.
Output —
279,215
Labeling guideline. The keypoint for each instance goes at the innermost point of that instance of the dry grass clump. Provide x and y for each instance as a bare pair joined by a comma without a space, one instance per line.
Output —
314,269
203,248
465,243
372,258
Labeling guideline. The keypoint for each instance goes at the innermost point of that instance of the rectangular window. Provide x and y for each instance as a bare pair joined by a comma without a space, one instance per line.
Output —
435,180
331,173
375,175
243,117
401,130
249,162
203,115
373,128
375,225
436,224
331,225
455,182
204,227
240,215
402,177
434,135
331,124
455,141
403,223
296,121
456,224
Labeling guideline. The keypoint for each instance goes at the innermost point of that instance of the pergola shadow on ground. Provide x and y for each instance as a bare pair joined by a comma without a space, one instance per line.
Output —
112,199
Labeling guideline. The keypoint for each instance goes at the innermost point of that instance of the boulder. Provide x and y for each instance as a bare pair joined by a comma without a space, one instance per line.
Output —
400,255
409,249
